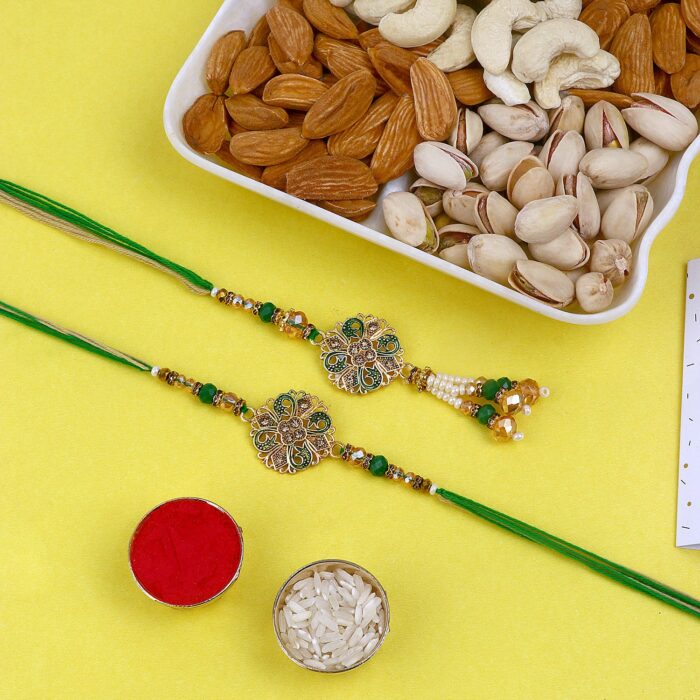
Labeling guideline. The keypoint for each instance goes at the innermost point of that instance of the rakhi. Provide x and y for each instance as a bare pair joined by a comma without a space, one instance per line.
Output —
294,432
360,354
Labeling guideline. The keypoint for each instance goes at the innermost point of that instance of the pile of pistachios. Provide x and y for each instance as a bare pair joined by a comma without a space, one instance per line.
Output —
547,203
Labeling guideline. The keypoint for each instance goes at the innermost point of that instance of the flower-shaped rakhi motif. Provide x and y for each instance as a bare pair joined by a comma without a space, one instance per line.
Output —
292,432
362,354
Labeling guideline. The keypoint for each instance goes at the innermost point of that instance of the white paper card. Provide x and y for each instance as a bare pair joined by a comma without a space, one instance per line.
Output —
688,518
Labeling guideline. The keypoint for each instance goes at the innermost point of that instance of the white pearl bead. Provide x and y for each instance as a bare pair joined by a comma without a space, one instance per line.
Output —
431,379
527,410
458,403
471,389
433,489
518,437
544,392
470,380
442,384
462,390
440,394
451,401
214,292
154,371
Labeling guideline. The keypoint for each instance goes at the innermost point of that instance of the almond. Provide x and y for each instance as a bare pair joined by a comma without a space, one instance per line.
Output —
276,175
330,20
293,92
331,178
370,38
296,118
296,5
605,17
354,209
662,83
292,32
692,42
340,106
312,68
251,171
393,64
691,15
204,124
394,153
342,62
591,97
360,140
252,113
642,5
469,87
259,33
686,83
267,147
221,59
668,37
632,47
324,44
252,68
436,108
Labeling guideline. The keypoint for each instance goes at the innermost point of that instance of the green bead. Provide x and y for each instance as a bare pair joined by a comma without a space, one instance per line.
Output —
490,389
207,393
505,383
484,413
266,311
378,465
314,334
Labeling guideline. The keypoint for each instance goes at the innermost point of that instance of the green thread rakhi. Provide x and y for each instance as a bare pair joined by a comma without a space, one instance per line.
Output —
360,355
294,432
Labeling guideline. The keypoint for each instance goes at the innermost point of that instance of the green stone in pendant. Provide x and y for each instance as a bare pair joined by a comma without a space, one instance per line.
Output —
266,312
490,389
378,465
484,413
207,393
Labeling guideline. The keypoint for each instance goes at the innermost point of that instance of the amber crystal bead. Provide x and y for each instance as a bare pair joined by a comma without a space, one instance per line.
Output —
504,428
511,401
408,478
163,373
295,324
530,391
227,402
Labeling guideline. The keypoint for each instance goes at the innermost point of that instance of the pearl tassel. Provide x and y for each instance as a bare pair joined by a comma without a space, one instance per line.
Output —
450,388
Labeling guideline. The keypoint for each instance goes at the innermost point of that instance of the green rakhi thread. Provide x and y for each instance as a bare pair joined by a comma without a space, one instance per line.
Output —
361,354
294,431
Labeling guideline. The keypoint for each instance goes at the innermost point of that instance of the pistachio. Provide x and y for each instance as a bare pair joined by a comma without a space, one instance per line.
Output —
605,127
569,116
587,222
528,122
544,220
467,132
460,205
489,143
444,165
529,180
542,282
409,222
495,214
663,121
594,292
657,157
566,252
494,256
562,153
497,165
454,242
628,214
573,275
430,194
609,168
613,259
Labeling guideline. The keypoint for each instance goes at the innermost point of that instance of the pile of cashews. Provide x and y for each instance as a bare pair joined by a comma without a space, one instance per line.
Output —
517,42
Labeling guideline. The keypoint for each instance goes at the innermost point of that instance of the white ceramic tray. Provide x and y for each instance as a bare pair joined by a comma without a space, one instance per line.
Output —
667,190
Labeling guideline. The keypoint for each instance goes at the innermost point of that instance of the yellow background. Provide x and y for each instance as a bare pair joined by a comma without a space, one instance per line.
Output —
87,446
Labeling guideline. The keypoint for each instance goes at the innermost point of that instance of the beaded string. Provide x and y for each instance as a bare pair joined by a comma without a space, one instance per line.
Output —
357,361
297,427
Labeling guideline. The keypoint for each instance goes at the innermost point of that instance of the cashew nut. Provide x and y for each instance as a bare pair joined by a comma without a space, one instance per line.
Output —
571,71
536,51
372,11
423,23
553,9
491,33
456,52
506,86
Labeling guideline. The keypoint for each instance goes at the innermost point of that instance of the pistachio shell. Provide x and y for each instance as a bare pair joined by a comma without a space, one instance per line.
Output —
430,194
529,180
544,220
613,259
444,165
663,121
594,292
562,153
610,168
494,256
657,157
587,223
409,222
542,282
528,122
605,127
495,214
628,214
459,205
569,116
467,132
489,142
454,242
566,252
497,165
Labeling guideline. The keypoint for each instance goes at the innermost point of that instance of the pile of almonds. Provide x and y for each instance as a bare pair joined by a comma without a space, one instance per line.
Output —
657,44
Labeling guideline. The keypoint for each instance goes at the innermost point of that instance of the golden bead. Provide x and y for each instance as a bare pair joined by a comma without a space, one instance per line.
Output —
511,401
221,295
228,401
163,373
408,478
295,324
504,428
530,391
180,381
425,486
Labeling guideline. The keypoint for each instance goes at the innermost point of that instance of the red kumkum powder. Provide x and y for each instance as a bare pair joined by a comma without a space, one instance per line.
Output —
186,552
